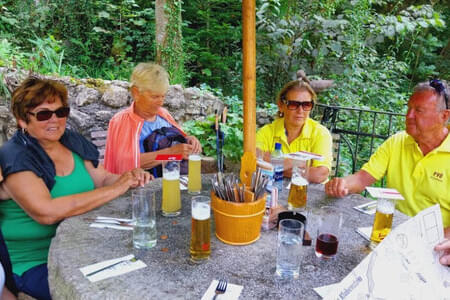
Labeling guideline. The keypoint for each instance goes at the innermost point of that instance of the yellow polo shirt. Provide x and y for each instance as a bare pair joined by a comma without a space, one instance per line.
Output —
422,180
314,138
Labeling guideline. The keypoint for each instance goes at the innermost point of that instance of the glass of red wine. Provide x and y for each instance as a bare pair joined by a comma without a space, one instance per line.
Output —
330,223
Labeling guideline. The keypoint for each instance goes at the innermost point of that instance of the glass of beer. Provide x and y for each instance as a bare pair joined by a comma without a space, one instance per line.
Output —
171,201
200,229
299,186
195,174
382,223
330,222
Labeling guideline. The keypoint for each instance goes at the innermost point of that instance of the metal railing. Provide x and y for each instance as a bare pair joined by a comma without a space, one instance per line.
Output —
361,131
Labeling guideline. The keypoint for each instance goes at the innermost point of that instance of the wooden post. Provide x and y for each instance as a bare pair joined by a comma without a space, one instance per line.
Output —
248,161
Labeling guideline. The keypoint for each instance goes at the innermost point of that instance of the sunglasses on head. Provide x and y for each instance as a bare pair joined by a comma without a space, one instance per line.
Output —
440,88
293,105
44,115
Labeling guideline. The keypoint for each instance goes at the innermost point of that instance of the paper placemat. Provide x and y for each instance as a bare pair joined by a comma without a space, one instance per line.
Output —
232,292
126,266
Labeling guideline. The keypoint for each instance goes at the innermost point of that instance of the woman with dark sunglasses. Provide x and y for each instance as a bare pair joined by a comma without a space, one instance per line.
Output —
296,131
50,173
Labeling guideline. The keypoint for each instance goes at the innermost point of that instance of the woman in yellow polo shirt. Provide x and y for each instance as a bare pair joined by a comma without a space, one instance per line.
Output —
295,131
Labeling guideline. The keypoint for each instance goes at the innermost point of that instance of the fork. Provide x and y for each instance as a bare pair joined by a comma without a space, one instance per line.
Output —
221,288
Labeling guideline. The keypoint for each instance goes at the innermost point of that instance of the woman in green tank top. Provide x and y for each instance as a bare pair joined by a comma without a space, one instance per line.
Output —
50,173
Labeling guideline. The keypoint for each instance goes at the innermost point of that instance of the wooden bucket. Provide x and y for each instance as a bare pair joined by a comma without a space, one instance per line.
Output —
238,223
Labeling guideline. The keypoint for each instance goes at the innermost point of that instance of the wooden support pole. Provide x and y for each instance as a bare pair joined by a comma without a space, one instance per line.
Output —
248,161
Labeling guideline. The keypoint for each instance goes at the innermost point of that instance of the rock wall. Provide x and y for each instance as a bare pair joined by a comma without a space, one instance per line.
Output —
94,101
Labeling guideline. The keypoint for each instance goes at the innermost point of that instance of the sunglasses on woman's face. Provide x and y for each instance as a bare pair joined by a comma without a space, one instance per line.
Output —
293,105
44,115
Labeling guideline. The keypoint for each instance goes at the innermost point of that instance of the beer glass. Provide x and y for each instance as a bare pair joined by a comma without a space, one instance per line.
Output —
330,222
382,223
200,229
290,233
195,174
299,186
171,201
144,217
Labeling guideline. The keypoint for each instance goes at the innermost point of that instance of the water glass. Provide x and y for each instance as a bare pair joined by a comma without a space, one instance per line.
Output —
201,228
144,216
330,223
171,200
195,174
290,233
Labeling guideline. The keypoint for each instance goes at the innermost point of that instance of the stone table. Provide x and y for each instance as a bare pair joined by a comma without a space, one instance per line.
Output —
170,274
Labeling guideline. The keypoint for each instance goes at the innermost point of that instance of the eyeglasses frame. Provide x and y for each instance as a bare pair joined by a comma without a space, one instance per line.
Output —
439,87
286,102
61,111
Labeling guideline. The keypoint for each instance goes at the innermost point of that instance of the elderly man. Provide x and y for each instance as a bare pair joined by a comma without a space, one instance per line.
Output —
129,128
415,162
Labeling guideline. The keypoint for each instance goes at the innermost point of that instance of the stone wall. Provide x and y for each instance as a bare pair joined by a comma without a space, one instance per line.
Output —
94,101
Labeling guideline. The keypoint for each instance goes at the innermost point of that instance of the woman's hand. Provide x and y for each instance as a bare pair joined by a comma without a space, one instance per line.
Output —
143,177
132,179
196,146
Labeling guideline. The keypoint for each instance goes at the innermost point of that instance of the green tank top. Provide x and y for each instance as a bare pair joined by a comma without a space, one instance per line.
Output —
28,242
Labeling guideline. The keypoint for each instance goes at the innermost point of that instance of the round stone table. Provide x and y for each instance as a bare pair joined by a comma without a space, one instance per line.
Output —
169,273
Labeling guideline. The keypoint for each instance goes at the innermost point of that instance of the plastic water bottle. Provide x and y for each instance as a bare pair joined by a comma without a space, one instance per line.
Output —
277,161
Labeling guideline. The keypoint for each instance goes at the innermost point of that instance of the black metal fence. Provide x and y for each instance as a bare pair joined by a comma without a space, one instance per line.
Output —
356,133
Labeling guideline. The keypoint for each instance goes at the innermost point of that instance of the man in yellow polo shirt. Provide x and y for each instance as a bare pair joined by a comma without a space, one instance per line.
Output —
295,131
416,162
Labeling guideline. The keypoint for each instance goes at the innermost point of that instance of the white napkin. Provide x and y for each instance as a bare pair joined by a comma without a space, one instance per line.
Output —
183,183
113,226
323,291
232,292
125,267
365,232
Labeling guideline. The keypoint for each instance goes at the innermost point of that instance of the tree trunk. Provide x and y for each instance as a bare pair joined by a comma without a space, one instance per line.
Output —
169,41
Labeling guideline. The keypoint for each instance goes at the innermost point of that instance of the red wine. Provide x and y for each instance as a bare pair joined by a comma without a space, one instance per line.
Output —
326,244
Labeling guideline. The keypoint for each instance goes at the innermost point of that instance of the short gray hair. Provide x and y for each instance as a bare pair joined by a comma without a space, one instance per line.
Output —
150,76
425,86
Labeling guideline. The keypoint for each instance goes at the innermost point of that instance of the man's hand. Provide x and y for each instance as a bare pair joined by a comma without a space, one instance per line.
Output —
444,246
196,146
337,187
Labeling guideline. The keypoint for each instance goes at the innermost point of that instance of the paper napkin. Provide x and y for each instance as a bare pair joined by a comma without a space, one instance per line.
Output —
323,291
183,183
232,292
365,232
119,269
368,208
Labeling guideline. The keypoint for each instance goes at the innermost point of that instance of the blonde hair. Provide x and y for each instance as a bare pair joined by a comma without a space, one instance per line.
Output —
296,85
150,76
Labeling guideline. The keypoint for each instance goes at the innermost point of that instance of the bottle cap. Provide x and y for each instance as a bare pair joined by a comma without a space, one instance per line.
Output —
277,146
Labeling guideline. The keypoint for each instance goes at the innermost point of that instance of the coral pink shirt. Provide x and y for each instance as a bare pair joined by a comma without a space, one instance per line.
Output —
122,143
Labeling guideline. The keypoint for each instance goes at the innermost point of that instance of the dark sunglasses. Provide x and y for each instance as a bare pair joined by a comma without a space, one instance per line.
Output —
293,105
44,115
440,88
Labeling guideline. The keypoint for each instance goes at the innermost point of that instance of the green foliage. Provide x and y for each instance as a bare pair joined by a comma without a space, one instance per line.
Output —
233,129
212,35
171,51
